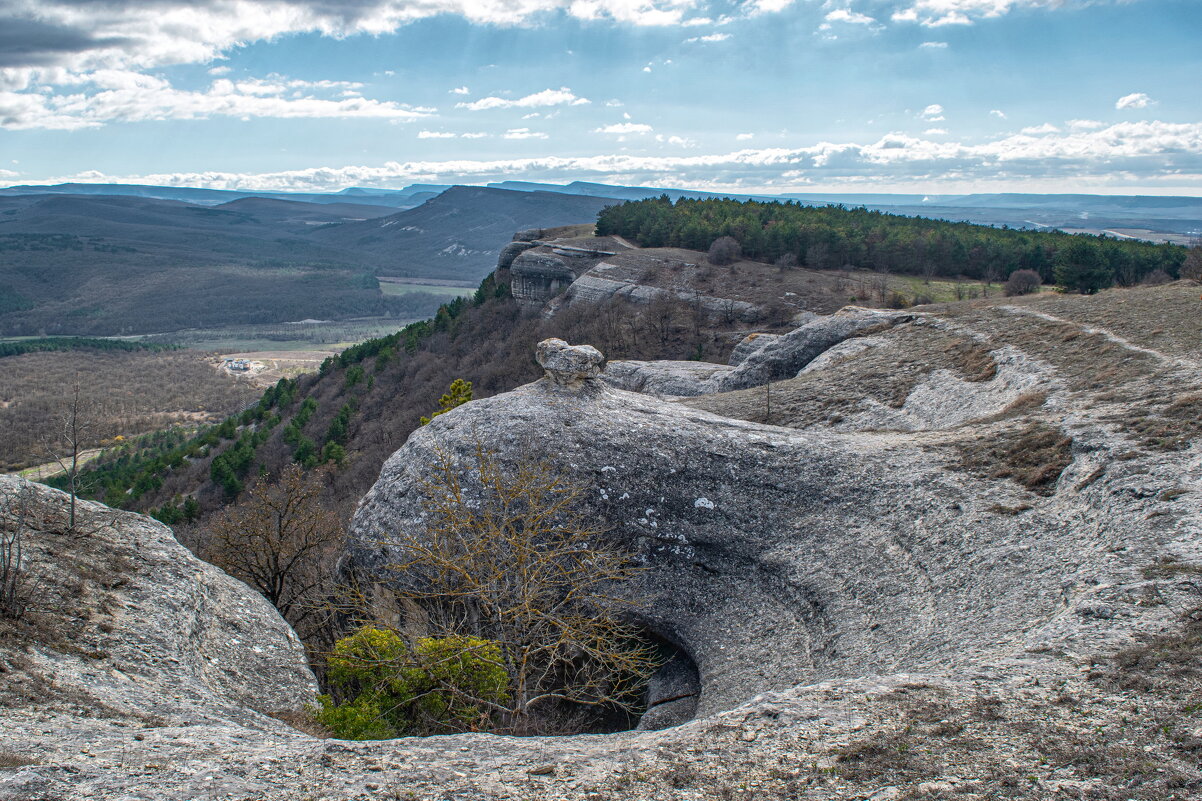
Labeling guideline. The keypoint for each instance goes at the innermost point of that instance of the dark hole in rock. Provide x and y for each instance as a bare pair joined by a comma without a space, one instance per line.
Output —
669,697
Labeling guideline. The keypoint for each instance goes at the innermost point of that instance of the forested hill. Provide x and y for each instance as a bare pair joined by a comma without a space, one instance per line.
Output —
832,237
365,402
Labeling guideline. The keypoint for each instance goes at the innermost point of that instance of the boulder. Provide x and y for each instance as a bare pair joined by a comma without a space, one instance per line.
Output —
568,365
168,637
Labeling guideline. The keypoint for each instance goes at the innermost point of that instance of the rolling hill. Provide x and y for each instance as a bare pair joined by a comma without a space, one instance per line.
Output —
457,234
129,264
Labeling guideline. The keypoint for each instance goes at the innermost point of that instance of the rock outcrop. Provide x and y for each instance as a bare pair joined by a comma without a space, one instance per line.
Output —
888,597
781,558
538,276
129,629
757,360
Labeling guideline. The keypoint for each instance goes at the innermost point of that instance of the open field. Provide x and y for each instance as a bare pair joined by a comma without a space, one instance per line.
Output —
269,366
323,335
1134,233
441,289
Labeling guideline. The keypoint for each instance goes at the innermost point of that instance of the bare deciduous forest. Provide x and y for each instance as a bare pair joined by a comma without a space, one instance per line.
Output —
126,393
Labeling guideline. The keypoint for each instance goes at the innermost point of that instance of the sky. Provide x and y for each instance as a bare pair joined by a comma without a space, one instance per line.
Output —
929,96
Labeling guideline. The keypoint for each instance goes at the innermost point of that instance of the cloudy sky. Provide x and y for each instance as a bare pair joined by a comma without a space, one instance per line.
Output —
937,96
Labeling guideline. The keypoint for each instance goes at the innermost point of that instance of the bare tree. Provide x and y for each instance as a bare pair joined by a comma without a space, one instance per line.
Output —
508,555
660,317
75,428
16,585
282,540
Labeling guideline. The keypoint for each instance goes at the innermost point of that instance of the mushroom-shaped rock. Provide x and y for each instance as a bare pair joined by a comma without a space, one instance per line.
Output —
569,365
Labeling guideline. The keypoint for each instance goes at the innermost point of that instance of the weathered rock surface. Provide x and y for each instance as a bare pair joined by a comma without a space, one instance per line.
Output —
867,616
538,275
782,557
756,362
596,287
166,635
511,252
569,365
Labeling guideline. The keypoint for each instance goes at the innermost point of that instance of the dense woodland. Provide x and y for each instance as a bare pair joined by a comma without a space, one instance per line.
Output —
55,344
835,237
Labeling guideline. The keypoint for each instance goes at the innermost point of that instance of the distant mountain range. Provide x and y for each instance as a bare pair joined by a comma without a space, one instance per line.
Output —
405,198
1145,213
130,263
109,259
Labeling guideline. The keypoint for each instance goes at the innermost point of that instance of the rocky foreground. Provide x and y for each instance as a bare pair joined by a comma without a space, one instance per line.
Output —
958,556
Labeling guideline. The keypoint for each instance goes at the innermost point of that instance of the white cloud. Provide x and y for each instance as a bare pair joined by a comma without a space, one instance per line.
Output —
936,13
1136,100
1038,130
523,133
108,96
849,16
460,90
1085,125
435,135
613,103
994,112
1126,154
743,137
768,6
934,45
935,132
219,70
8,175
951,18
679,141
84,36
562,96
933,112
623,128
475,135
710,39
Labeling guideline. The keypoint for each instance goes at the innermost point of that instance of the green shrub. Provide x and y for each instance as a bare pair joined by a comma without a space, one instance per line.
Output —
437,684
459,393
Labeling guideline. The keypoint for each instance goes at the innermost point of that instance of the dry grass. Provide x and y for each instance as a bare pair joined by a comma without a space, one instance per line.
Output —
1164,318
1171,427
9,760
1033,456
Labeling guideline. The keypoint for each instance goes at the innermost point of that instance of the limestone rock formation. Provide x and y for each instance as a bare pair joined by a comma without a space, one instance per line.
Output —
756,361
964,563
127,627
511,252
569,365
781,557
596,286
537,276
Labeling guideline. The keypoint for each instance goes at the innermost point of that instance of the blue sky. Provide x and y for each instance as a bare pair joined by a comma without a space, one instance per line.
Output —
938,96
